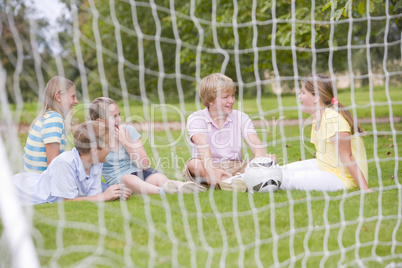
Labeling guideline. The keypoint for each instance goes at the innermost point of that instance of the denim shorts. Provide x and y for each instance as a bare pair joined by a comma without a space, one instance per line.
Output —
144,174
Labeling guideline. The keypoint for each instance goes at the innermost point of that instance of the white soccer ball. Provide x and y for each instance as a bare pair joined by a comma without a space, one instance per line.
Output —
263,174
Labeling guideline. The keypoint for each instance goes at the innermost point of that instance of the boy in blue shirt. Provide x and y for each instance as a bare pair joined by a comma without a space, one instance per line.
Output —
74,175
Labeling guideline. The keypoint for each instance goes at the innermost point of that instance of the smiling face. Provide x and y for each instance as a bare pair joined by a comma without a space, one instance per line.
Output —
223,104
67,100
308,101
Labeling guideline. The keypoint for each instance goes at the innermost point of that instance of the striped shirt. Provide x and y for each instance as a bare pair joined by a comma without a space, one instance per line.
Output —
48,129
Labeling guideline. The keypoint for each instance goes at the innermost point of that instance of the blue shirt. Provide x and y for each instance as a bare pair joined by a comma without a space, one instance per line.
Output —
119,163
48,129
64,178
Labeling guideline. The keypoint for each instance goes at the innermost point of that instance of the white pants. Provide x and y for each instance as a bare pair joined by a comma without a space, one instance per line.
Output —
307,176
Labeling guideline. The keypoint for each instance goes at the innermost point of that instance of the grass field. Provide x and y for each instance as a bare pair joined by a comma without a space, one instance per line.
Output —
287,228
235,228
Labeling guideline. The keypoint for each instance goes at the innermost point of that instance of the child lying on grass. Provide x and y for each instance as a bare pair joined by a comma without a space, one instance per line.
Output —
74,175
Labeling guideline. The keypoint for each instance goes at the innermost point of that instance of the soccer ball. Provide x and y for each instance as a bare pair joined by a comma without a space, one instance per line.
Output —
263,174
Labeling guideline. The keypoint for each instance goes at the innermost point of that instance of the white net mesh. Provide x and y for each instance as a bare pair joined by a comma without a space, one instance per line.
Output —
150,58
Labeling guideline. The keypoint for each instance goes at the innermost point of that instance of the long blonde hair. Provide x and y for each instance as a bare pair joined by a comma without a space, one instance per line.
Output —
55,85
326,92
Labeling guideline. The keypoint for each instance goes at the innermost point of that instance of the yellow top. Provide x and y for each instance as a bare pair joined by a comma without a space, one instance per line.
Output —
327,157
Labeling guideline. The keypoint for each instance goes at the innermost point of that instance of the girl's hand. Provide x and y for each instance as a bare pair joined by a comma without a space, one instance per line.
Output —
122,135
368,191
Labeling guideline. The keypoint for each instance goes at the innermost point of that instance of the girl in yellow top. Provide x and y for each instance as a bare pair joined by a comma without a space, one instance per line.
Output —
341,161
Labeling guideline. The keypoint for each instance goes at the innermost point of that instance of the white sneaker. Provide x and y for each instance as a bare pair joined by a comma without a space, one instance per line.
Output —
190,187
235,183
169,188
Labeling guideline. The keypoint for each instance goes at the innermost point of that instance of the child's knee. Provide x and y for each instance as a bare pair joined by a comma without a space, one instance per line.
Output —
190,164
194,164
124,179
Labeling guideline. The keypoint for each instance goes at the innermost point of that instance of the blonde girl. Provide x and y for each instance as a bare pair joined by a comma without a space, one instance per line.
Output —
128,163
47,137
341,161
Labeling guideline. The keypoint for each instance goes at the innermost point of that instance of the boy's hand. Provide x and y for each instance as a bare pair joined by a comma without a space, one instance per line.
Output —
114,192
273,157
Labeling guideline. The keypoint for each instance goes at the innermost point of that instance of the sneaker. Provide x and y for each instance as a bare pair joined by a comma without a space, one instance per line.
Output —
169,188
190,187
235,183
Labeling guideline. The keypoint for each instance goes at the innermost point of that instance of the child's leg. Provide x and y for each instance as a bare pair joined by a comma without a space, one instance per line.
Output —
307,176
157,179
233,167
302,165
160,179
196,169
153,177
138,186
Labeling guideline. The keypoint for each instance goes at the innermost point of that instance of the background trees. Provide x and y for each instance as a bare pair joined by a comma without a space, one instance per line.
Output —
133,46
17,50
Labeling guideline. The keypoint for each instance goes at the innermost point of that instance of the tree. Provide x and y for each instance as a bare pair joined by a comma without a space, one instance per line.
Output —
182,37
17,52
378,35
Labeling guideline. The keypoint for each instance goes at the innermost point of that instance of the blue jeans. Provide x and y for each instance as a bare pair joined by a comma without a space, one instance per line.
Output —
104,186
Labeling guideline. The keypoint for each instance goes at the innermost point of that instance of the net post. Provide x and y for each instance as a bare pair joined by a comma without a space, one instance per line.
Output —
15,227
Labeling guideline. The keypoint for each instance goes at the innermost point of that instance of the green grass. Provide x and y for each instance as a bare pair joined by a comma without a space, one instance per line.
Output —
221,226
217,226
149,223
267,106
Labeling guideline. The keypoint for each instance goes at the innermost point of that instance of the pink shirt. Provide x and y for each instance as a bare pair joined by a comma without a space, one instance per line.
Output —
225,142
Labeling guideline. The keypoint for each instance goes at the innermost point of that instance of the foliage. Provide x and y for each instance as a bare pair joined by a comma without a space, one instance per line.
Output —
196,38
394,7
16,49
144,50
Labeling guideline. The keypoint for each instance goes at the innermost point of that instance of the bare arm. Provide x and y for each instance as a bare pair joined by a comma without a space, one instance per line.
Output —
135,149
345,154
257,148
113,192
256,145
214,175
52,150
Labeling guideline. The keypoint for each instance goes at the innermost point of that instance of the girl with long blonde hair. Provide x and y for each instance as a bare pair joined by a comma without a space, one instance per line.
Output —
47,137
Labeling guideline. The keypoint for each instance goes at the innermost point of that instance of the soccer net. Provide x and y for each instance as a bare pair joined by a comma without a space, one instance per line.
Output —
150,57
